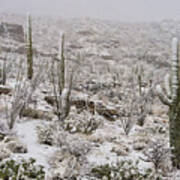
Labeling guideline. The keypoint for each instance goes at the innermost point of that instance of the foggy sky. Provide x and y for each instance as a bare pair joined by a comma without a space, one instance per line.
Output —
121,10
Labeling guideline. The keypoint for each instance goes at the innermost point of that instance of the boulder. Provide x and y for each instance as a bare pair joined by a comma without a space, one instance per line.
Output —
50,100
4,152
120,150
109,112
4,131
14,145
4,90
36,114
138,146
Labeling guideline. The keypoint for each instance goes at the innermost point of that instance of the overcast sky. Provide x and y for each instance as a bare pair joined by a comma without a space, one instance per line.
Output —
122,10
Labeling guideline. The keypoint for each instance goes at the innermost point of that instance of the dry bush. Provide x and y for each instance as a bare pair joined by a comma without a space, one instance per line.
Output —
127,120
158,153
22,94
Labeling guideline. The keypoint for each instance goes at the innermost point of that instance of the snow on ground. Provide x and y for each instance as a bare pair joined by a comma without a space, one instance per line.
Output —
27,134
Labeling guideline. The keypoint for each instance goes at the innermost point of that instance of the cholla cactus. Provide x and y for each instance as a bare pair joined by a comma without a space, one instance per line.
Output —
170,95
29,48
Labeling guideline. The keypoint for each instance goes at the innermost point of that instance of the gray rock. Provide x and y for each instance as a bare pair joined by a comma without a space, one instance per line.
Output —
139,146
4,152
14,145
120,151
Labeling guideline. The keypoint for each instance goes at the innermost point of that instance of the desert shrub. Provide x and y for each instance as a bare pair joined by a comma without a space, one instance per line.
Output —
123,170
158,153
84,122
21,170
127,120
46,133
136,98
22,94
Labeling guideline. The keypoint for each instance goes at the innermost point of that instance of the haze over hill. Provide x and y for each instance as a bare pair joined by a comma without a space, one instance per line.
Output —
121,10
91,106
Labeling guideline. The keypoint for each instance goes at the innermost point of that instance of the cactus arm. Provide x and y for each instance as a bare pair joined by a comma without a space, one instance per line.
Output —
65,103
167,86
178,68
65,99
175,82
162,96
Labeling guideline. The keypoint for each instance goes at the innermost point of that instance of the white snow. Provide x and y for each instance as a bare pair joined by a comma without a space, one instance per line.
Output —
102,155
28,135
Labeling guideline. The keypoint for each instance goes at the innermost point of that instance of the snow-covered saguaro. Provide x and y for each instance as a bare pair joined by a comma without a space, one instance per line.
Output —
169,94
61,58
62,89
29,48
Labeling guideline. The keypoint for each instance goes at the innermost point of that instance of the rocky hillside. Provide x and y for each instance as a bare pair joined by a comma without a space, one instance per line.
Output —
117,128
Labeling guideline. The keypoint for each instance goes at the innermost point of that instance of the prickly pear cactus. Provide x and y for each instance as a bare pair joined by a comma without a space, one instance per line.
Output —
169,94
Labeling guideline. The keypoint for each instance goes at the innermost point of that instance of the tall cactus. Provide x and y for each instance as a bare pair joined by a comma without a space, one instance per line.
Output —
139,72
62,90
61,58
29,48
169,94
4,71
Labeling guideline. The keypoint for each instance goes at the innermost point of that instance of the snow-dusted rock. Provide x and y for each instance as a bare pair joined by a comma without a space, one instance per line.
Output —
15,145
4,152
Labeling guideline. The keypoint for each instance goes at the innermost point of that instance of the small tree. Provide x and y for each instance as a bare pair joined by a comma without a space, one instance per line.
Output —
22,94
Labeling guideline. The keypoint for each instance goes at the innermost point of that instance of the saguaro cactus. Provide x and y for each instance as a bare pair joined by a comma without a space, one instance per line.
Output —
4,71
62,90
139,73
169,94
29,48
61,58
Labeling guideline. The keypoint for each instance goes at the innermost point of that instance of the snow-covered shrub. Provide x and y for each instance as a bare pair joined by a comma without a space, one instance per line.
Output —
22,94
123,170
84,122
23,169
158,153
137,98
127,124
46,133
